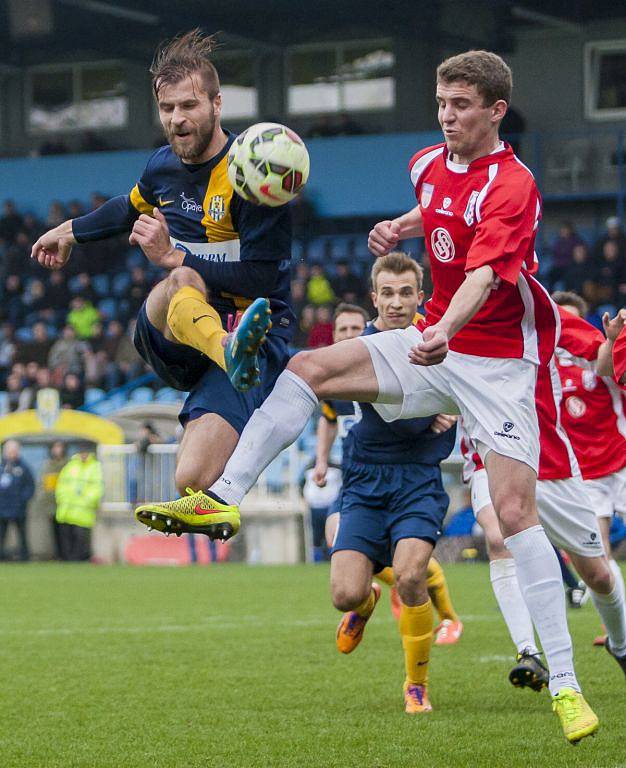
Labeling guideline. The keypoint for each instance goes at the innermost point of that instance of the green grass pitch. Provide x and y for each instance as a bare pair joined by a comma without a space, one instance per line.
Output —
236,666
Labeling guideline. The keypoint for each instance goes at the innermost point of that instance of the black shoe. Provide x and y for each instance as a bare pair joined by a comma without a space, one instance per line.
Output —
578,596
621,660
529,671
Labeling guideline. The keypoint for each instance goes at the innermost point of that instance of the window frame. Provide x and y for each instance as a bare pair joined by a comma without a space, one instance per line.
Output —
76,68
339,47
591,79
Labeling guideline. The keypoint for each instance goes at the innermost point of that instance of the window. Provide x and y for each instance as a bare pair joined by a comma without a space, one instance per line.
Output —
605,80
77,97
238,85
342,77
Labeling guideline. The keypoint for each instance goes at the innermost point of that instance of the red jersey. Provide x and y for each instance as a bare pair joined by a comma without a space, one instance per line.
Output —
619,356
484,213
471,459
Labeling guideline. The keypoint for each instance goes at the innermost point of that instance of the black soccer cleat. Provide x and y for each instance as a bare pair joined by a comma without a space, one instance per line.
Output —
529,672
621,660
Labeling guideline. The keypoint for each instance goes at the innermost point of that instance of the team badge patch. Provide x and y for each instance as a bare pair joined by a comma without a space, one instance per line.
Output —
217,208
427,194
441,244
575,407
589,381
470,210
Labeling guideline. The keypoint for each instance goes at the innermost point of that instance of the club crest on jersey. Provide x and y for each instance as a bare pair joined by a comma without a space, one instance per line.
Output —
442,245
427,194
217,208
470,210
575,407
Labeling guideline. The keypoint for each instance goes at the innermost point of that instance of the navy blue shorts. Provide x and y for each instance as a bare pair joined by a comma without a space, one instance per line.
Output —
383,503
210,390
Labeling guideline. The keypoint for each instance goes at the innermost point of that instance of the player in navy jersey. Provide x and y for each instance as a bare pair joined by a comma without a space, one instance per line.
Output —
392,502
218,248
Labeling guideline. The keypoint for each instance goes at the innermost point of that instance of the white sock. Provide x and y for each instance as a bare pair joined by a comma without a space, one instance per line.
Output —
272,427
539,578
619,576
511,604
613,614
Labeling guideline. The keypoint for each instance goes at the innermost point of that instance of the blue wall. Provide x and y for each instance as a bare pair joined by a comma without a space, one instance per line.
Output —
352,175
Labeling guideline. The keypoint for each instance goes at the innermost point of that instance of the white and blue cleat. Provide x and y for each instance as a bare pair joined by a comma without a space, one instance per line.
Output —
242,349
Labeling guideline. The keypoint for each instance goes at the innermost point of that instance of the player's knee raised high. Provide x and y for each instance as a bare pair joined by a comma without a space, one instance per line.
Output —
184,276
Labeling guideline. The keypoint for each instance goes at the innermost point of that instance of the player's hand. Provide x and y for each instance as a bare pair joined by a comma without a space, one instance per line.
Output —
433,348
613,327
53,248
319,474
442,423
383,238
152,235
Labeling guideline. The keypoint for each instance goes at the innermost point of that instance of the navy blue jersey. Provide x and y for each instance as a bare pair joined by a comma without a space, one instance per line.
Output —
371,440
213,226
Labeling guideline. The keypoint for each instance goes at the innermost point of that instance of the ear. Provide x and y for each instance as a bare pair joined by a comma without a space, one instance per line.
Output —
420,298
217,105
374,298
498,110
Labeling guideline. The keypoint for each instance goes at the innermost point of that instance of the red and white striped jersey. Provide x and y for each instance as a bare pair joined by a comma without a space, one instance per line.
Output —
592,409
485,213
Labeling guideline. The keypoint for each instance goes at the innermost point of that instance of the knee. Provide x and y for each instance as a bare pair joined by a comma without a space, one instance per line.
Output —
305,366
187,476
411,586
515,513
347,597
180,277
596,575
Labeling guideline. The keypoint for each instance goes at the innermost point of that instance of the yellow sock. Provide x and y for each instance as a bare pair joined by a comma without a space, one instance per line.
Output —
438,591
386,576
416,629
194,322
367,606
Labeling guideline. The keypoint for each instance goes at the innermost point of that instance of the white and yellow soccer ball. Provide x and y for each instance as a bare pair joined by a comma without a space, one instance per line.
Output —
268,164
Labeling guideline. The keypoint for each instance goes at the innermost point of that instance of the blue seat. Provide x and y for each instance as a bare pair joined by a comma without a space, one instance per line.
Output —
120,284
141,395
168,395
108,309
24,334
93,395
135,258
101,285
73,284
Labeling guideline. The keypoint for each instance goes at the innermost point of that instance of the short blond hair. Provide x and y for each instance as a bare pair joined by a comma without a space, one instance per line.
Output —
487,71
397,262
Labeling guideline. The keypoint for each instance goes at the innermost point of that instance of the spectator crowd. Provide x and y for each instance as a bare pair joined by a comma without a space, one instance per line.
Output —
72,329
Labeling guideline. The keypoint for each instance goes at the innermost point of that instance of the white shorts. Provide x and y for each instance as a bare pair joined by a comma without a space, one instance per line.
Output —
495,396
607,493
564,509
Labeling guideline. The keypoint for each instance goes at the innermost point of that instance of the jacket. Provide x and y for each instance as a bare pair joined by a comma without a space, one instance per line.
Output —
44,499
16,488
79,491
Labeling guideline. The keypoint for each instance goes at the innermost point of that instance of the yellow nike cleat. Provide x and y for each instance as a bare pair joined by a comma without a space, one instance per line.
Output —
352,625
577,718
198,512
416,699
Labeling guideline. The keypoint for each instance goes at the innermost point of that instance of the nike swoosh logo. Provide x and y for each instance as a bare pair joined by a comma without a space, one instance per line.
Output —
200,511
195,319
163,203
265,188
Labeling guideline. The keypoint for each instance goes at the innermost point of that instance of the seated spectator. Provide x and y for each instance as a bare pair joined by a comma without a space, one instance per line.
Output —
615,233
12,305
19,397
36,350
562,250
347,285
56,214
127,359
16,258
609,273
67,354
10,222
305,322
319,290
31,227
72,392
75,209
138,290
83,317
57,292
82,287
34,297
298,296
42,381
321,334
577,277
7,350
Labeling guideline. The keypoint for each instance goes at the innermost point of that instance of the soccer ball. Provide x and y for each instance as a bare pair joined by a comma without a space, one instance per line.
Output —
268,164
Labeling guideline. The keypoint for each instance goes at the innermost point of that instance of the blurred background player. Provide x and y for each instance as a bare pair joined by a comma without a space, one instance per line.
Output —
592,414
478,210
186,218
337,418
392,502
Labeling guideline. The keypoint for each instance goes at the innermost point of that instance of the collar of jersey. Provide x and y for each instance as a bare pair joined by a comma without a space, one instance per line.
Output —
210,164
503,150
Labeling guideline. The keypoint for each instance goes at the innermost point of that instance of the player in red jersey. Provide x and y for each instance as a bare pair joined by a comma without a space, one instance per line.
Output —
592,414
619,357
565,508
477,354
